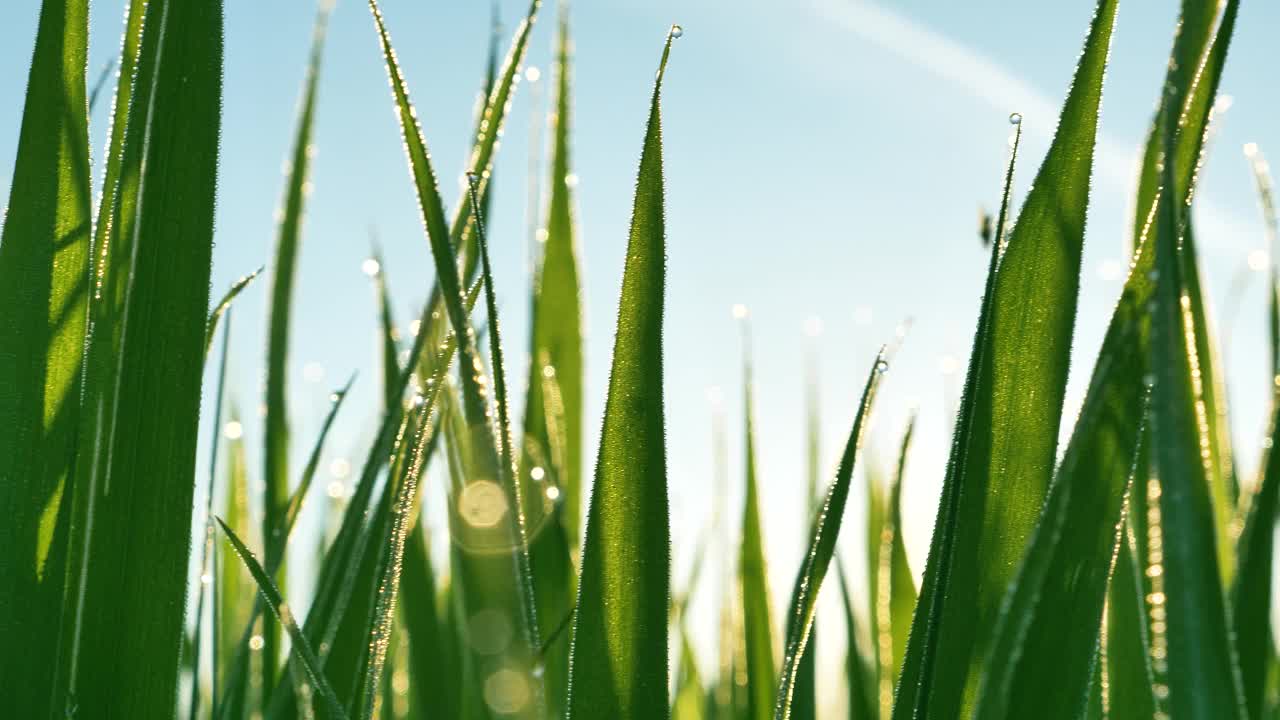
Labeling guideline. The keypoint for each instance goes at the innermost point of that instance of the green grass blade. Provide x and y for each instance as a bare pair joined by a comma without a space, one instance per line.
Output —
1267,202
432,666
44,265
271,595
130,533
289,518
753,575
862,703
1203,680
204,587
235,598
275,455
1004,449
1129,676
822,545
1251,593
556,339
220,309
894,621
691,696
618,660
390,361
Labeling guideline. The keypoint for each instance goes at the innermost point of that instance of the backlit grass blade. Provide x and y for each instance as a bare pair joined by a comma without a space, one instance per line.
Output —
275,455
1129,691
271,595
822,545
44,277
205,586
1005,443
1192,95
1251,592
235,598
131,522
432,660
289,518
1044,652
556,340
753,575
618,660
858,676
390,361
897,592
691,697
1202,678
215,315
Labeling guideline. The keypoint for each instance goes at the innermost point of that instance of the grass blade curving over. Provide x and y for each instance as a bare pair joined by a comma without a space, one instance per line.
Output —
1005,444
557,323
131,523
271,595
618,658
44,277
220,309
822,546
275,455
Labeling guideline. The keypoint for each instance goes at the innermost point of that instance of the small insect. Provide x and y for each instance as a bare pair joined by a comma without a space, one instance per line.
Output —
986,227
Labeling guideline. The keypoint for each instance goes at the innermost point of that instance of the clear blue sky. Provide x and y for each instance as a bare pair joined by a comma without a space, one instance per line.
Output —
824,158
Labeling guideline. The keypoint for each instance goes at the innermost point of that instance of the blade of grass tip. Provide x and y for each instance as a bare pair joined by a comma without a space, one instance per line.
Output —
215,315
1203,678
132,536
1251,592
280,535
44,265
557,315
761,673
280,609
1005,444
898,596
275,456
857,673
390,361
822,546
624,590
207,577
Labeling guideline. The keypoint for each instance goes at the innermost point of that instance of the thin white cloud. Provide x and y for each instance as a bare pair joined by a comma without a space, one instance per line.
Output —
964,67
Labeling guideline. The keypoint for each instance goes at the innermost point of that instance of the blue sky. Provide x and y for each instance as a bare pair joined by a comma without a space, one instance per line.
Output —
824,158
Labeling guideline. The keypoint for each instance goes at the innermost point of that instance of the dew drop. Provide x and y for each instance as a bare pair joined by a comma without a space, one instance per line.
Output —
677,32
882,366
1015,118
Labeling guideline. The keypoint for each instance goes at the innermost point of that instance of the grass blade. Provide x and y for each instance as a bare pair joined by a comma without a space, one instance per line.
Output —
858,676
390,361
131,537
1203,680
271,595
822,545
618,660
1004,449
1129,675
897,592
557,323
275,456
235,599
1251,592
215,315
435,677
44,264
753,575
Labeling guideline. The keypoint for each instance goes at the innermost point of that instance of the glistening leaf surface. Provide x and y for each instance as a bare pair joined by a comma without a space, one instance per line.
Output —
618,660
1004,449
